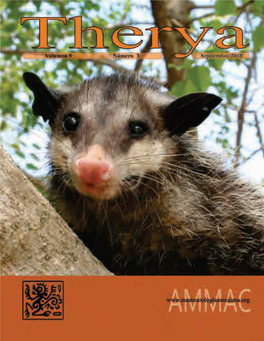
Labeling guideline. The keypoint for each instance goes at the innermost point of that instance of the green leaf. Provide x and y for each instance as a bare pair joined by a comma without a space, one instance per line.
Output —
36,146
200,76
257,7
3,125
215,23
227,116
175,66
15,146
231,94
20,154
31,166
225,7
182,88
34,156
215,63
258,38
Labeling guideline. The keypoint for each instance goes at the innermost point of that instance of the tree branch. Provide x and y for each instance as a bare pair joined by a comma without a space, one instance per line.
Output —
95,61
239,9
251,155
259,135
38,183
139,62
194,7
245,5
242,8
172,43
210,14
242,110
104,62
12,52
176,22
34,239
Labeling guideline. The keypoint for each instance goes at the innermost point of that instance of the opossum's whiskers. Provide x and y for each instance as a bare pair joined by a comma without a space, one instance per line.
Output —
133,190
149,177
153,155
151,188
122,194
119,208
152,177
64,183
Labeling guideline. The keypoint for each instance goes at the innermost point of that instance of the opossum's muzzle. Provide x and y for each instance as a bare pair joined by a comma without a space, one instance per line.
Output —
93,174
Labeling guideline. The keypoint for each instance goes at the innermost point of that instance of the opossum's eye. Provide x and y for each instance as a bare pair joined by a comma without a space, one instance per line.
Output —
138,129
71,122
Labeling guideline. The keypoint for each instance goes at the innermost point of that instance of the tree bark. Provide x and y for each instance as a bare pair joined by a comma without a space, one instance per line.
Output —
172,13
34,239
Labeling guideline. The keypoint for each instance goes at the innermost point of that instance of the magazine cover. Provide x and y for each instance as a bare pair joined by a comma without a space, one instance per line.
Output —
132,170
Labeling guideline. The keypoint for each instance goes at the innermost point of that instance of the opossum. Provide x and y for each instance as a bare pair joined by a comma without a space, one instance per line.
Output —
143,194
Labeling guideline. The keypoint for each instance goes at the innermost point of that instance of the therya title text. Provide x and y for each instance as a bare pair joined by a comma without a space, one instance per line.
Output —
155,31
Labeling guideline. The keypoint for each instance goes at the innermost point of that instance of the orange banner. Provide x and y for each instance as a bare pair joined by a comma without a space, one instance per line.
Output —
220,55
132,308
77,55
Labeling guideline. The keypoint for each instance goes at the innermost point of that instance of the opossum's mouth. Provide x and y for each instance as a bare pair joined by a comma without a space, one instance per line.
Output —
111,189
133,181
103,192
108,189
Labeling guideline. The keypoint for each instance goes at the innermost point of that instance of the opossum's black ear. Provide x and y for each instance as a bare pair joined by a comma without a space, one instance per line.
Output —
189,111
45,99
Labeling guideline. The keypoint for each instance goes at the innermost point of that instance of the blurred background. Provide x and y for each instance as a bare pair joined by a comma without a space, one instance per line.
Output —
235,130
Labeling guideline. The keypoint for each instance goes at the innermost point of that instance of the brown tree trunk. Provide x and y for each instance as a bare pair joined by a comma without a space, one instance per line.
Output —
34,239
172,13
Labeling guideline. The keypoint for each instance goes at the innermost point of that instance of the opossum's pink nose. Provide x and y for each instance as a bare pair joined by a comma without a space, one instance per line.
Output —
94,169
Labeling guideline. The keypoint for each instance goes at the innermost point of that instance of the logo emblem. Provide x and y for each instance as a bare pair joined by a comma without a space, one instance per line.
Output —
43,300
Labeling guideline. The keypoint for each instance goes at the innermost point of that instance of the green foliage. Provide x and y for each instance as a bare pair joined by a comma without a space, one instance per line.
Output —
31,166
225,7
217,64
258,38
198,78
257,7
